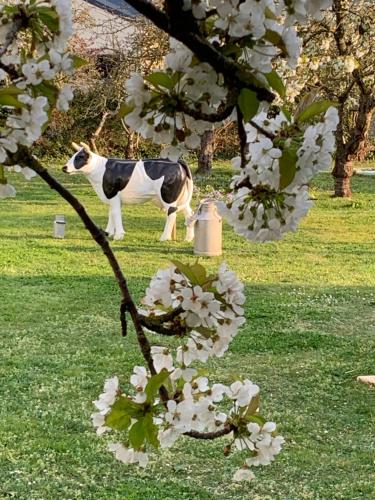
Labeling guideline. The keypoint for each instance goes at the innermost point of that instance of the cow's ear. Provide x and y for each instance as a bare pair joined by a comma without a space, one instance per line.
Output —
75,146
85,147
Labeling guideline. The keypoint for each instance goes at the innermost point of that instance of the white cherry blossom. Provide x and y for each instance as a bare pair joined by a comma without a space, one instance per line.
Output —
162,358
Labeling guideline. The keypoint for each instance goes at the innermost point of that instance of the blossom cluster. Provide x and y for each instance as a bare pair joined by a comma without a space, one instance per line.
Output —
165,106
31,67
267,201
186,82
211,310
189,404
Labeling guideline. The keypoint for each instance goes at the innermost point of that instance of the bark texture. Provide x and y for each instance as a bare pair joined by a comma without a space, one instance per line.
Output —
206,153
350,150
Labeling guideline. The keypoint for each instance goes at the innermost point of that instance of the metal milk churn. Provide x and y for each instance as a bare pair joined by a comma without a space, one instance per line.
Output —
59,226
208,230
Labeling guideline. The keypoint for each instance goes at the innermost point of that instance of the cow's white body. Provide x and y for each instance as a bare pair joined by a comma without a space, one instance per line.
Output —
140,188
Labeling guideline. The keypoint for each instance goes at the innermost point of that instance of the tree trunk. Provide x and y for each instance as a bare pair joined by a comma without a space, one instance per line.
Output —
342,173
348,151
363,146
206,153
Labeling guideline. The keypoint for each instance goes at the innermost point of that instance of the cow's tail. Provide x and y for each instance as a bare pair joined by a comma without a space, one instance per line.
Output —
189,181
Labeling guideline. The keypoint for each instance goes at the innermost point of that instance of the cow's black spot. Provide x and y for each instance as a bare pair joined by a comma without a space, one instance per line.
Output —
172,210
174,174
80,159
117,175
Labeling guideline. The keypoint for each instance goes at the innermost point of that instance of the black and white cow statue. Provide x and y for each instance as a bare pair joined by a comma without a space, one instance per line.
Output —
167,183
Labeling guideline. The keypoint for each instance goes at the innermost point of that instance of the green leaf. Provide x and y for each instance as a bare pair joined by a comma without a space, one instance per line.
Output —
315,109
125,109
160,79
196,273
49,18
37,30
269,14
248,104
206,332
9,9
287,167
49,90
199,272
48,11
118,420
137,434
253,406
9,100
11,91
151,430
276,39
258,419
287,113
128,407
276,83
154,384
186,270
78,62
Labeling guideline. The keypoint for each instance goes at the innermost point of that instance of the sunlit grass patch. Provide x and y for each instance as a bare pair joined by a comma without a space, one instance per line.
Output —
310,332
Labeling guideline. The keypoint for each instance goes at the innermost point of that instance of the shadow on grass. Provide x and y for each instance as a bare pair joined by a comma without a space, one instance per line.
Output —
280,318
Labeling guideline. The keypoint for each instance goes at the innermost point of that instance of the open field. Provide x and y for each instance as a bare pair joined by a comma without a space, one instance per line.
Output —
310,332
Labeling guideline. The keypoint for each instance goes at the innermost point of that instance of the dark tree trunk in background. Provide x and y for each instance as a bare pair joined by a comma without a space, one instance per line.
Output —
342,174
206,153
363,147
349,151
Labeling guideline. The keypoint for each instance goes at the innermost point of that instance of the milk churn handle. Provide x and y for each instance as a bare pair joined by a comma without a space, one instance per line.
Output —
195,214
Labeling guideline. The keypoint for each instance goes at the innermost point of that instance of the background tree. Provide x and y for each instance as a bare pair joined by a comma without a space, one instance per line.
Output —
338,64
99,85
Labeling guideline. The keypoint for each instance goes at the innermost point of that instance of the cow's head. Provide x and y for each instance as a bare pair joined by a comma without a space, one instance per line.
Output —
81,161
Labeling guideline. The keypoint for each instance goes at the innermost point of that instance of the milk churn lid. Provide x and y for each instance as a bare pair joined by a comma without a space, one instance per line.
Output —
60,218
209,205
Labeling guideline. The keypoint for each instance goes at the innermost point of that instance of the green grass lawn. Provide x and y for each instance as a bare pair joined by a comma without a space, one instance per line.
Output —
310,332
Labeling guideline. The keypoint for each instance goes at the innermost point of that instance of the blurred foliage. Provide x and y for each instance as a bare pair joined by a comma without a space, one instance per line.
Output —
99,88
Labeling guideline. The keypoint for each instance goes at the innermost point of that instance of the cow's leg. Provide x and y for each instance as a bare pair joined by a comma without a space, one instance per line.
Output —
110,229
115,208
189,223
168,228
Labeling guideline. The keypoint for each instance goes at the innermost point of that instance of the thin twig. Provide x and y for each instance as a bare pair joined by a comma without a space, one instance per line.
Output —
211,435
164,324
243,138
260,129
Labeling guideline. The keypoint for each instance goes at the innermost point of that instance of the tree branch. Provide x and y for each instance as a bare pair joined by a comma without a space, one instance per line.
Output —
242,137
211,435
99,129
339,33
157,323
221,115
24,157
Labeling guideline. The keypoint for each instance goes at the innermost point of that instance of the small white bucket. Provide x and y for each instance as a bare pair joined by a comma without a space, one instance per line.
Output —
59,226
